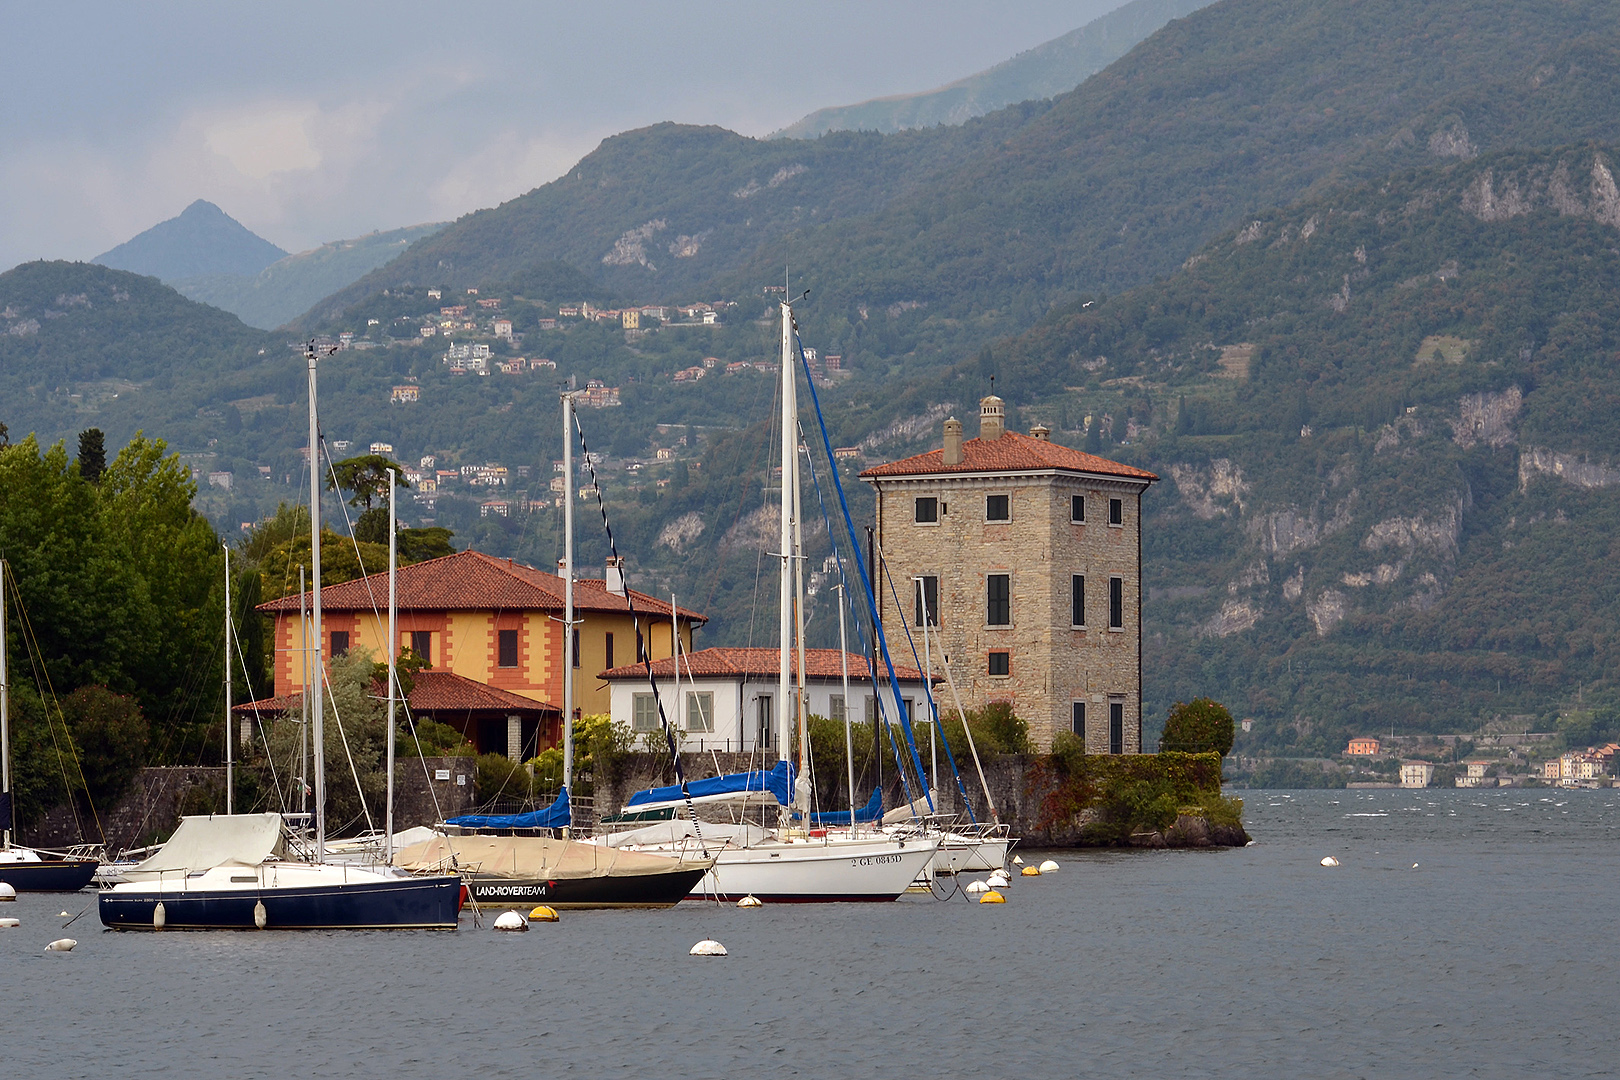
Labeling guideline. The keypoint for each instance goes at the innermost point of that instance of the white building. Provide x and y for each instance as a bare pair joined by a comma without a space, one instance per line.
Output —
1416,774
727,696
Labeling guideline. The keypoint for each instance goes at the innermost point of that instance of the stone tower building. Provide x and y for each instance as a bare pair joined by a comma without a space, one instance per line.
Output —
1026,558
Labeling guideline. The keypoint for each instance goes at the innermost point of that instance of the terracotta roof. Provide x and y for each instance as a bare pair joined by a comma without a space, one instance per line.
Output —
471,580
1010,453
431,691
723,662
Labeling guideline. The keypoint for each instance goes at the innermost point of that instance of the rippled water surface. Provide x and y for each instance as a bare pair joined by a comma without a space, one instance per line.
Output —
1493,955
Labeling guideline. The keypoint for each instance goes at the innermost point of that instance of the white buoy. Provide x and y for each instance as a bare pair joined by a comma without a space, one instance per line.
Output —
1328,860
1018,860
750,902
511,920
64,944
160,916
998,880
62,915
260,916
10,922
708,947
974,888
1048,866
1414,866
7,892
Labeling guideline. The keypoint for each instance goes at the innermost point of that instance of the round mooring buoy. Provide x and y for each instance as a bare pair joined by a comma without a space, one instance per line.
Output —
160,916
1328,860
708,947
1018,860
992,897
7,892
974,888
998,880
750,902
1030,871
1048,866
65,944
543,913
511,920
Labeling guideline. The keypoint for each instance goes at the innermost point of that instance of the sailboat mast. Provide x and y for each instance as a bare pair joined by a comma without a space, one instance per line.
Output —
785,580
568,600
230,773
393,653
303,704
928,693
849,734
5,719
801,699
318,721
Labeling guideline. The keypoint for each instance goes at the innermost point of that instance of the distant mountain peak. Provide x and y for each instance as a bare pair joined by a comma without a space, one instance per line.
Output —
202,240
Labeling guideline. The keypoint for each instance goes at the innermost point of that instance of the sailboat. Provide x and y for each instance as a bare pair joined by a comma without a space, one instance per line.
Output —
237,871
792,864
27,869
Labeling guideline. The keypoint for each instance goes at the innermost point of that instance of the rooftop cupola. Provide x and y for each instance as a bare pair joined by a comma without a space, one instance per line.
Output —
953,441
992,418
1041,432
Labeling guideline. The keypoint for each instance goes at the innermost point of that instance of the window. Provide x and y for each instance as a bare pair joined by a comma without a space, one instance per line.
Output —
699,710
644,716
764,720
576,648
1077,600
1001,663
1116,727
1077,718
927,511
837,711
340,643
1116,511
507,648
996,508
927,602
422,645
1116,603
607,650
1077,509
871,709
998,606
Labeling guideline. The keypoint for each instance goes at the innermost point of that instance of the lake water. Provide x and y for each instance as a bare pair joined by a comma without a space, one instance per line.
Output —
1493,956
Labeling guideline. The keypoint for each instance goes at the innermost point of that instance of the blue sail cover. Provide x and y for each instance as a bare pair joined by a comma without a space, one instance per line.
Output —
778,781
554,816
869,812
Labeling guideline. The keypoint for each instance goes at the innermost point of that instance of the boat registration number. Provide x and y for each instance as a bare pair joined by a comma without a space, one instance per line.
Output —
874,860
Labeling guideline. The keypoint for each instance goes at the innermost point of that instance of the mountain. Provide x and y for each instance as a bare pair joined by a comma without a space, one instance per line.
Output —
1386,418
202,240
1047,70
289,286
925,244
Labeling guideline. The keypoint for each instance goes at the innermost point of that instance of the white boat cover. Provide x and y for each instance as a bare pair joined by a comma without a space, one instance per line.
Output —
532,857
676,832
202,843
917,808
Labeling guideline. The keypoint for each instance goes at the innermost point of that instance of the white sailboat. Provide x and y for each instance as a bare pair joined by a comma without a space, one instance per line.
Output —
234,871
789,863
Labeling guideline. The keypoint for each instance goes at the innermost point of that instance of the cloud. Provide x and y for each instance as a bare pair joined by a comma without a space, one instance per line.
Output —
263,141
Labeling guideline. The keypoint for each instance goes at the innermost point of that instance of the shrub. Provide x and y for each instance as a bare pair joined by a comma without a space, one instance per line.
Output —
110,733
499,777
1198,726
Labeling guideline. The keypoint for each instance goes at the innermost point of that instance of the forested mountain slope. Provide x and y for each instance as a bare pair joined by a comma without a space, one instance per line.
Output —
201,239
929,242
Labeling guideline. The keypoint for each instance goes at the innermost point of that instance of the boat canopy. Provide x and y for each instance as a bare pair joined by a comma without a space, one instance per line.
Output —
530,857
777,781
204,842
869,812
555,816
676,832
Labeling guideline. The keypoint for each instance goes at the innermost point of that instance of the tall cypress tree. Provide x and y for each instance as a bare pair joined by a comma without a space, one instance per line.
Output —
92,455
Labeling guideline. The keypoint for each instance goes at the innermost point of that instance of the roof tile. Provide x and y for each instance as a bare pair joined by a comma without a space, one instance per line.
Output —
1010,453
722,662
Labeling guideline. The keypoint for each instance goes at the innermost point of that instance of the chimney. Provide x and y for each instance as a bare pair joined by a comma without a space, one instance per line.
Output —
953,441
615,576
992,418
1041,432
562,569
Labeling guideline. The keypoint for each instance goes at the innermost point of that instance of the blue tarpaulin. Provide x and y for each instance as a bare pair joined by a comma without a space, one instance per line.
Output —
778,781
554,816
869,812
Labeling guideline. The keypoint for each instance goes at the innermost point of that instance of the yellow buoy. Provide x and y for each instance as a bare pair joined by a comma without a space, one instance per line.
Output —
992,897
1030,871
544,913
750,902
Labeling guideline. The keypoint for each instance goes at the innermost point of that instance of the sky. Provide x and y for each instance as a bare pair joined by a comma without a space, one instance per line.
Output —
311,122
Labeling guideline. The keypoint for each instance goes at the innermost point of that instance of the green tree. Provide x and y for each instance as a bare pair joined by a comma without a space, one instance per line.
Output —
365,478
110,736
92,455
1198,726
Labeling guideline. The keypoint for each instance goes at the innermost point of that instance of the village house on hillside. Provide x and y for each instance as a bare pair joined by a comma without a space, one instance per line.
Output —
1025,558
491,632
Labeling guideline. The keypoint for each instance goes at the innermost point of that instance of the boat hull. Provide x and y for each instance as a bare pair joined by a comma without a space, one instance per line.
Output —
394,904
817,874
600,891
49,875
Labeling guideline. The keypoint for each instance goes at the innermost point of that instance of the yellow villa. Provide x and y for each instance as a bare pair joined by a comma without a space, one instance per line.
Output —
491,631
